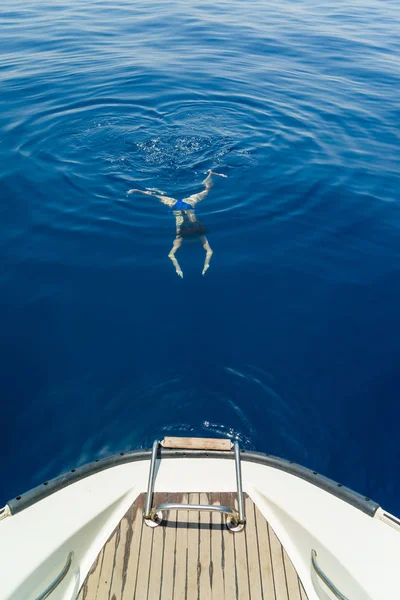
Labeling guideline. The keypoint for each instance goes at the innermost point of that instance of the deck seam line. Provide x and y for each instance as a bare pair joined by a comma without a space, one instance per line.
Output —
117,541
163,549
149,571
101,567
244,531
174,570
139,547
258,551
284,567
236,574
272,562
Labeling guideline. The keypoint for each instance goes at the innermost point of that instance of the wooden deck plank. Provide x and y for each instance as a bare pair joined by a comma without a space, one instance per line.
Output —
157,551
193,541
181,552
253,553
197,443
265,556
91,583
107,568
144,566
278,569
205,550
302,591
117,576
292,579
217,571
132,549
168,564
80,595
192,555
242,571
229,567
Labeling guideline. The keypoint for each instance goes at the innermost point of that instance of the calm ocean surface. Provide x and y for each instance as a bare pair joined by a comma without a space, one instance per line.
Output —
290,342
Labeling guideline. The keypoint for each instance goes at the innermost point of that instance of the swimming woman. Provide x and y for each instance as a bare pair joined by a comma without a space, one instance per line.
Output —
187,224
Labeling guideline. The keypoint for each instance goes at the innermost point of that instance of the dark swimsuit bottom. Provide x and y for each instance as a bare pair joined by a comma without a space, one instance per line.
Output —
192,231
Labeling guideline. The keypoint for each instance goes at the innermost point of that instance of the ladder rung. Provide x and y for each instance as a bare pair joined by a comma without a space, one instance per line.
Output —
197,443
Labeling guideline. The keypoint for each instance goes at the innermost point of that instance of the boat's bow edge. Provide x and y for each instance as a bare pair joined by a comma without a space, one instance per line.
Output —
23,501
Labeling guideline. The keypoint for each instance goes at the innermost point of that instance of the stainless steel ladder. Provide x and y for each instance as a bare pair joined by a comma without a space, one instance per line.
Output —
235,519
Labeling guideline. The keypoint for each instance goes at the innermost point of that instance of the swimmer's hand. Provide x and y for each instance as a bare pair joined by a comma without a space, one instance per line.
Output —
206,267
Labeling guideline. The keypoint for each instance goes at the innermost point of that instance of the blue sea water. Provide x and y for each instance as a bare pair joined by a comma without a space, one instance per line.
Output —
290,342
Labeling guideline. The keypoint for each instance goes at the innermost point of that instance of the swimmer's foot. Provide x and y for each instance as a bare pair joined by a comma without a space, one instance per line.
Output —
145,192
219,174
179,272
205,269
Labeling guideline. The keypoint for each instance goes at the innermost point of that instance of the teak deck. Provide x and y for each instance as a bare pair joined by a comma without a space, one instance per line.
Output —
192,556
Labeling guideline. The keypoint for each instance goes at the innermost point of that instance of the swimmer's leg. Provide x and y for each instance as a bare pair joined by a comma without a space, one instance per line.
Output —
163,199
176,245
209,253
208,184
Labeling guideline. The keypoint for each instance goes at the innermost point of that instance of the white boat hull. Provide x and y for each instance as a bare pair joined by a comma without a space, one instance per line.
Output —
357,547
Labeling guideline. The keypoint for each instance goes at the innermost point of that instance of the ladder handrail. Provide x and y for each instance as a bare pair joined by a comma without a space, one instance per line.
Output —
152,478
239,486
153,515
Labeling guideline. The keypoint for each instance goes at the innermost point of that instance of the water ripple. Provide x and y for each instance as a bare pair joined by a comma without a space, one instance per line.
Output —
297,103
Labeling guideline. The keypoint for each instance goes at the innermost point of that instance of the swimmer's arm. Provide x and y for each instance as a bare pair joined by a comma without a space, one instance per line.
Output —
164,199
177,244
209,254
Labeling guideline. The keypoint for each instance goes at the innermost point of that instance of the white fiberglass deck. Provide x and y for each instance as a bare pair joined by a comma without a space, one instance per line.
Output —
357,551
